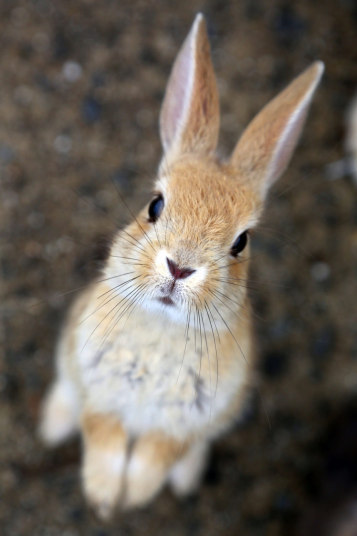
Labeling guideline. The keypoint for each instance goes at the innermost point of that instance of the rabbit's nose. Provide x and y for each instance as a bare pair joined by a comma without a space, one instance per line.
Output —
176,272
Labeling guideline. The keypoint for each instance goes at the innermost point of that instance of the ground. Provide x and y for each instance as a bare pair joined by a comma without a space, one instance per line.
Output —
81,86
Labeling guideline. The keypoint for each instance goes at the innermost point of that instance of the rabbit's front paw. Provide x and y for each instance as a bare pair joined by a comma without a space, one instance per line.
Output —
102,481
60,415
148,468
185,476
104,463
143,482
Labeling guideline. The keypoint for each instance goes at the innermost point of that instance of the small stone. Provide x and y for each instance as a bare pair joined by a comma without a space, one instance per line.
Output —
91,109
6,153
63,144
71,71
320,271
19,16
64,245
324,342
41,41
33,249
23,95
35,219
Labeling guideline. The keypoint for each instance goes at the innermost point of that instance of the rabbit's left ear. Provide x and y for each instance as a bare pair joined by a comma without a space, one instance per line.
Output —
266,146
189,119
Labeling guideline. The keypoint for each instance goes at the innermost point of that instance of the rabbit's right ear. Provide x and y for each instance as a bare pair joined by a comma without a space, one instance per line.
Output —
189,119
266,146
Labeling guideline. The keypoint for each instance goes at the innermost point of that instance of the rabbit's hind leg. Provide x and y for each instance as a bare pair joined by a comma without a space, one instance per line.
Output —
104,460
60,412
151,460
186,474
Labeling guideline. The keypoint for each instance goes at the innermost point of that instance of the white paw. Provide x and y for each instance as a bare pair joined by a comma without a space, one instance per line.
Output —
186,474
59,415
143,482
102,480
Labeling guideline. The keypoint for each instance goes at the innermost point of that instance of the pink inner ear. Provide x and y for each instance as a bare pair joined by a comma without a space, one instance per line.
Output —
266,146
189,120
176,99
286,145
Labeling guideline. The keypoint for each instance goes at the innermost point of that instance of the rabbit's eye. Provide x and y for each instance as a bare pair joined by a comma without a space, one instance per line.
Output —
155,208
239,244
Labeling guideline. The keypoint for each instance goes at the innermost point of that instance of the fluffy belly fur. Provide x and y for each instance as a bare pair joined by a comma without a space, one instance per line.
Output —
153,378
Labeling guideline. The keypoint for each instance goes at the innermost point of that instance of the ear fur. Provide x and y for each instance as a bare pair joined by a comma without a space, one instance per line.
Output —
266,146
189,119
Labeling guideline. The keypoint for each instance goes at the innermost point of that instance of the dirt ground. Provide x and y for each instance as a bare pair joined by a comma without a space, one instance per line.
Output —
81,84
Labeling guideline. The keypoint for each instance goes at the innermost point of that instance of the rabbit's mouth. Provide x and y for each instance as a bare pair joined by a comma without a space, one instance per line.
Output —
166,300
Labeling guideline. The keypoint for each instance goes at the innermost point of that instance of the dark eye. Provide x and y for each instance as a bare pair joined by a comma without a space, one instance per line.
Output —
155,208
239,244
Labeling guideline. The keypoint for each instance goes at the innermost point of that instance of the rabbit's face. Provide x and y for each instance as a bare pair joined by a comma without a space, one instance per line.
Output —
188,250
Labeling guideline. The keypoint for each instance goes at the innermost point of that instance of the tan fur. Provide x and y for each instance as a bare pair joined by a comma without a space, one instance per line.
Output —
199,124
154,365
153,455
103,432
102,472
253,153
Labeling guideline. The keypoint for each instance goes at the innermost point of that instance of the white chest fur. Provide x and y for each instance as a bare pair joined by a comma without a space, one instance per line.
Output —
149,376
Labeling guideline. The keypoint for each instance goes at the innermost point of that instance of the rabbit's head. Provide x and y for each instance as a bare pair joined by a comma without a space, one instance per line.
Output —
187,252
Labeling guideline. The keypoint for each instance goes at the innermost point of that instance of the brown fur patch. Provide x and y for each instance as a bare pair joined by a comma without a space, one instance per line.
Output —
157,448
104,432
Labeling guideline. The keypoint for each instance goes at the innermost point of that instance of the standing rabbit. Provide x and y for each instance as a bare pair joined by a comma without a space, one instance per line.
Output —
155,358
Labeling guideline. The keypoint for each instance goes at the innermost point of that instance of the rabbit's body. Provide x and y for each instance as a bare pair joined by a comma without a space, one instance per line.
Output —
146,376
154,360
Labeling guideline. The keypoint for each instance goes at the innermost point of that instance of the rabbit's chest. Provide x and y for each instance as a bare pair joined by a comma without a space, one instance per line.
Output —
156,379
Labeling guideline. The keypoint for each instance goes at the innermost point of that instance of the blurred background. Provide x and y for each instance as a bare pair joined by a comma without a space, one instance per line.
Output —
81,84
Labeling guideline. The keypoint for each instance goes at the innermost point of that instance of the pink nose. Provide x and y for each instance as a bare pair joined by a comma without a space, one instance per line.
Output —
178,273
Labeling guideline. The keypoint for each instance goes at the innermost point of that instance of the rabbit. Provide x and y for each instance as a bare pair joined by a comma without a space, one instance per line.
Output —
156,357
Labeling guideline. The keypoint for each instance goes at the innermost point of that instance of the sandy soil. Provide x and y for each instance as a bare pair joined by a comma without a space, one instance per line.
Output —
80,89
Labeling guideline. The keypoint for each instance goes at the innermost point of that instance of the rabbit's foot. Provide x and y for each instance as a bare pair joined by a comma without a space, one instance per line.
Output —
104,463
60,415
102,480
148,468
185,476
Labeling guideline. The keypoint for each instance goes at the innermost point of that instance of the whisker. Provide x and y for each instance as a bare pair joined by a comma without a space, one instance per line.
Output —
201,347
167,224
129,310
128,282
207,309
135,264
260,283
213,320
90,202
82,287
238,283
113,289
116,319
136,243
157,236
209,361
195,328
229,298
134,217
230,331
186,340
234,263
213,293
124,258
